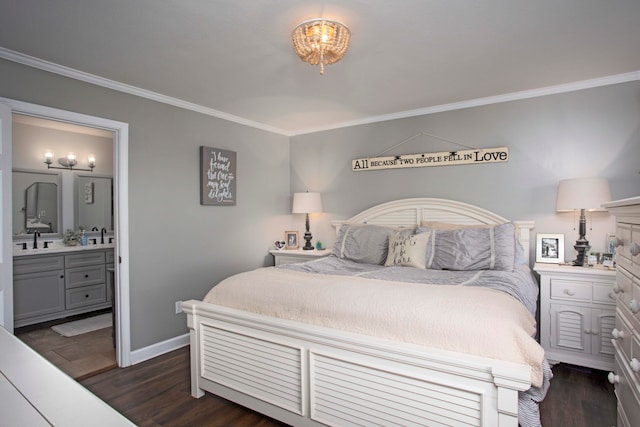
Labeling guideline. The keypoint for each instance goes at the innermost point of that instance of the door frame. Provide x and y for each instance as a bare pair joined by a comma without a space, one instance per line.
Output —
121,207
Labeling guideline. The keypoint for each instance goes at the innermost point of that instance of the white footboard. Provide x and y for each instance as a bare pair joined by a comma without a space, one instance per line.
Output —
306,375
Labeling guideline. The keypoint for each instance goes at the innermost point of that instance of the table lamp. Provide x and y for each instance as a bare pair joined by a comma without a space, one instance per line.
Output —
582,194
307,203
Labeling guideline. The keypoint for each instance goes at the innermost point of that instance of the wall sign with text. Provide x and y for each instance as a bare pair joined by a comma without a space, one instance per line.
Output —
217,177
443,158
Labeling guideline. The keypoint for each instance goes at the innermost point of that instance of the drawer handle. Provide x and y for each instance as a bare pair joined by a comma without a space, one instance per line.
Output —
86,276
616,241
634,249
635,365
634,306
618,289
617,334
569,292
613,378
62,276
86,296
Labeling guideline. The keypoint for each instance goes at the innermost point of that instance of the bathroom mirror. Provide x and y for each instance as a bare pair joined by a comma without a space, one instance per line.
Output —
36,202
93,203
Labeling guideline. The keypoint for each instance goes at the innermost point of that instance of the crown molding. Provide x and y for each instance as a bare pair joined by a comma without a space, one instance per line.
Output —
514,96
41,64
51,67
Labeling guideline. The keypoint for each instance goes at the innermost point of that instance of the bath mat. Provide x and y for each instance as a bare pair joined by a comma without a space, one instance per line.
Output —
83,326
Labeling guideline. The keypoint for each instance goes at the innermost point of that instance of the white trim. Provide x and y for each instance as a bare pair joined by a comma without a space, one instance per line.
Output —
514,96
51,67
158,349
121,182
20,58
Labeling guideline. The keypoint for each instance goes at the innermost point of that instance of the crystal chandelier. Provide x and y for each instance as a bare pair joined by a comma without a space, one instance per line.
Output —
321,41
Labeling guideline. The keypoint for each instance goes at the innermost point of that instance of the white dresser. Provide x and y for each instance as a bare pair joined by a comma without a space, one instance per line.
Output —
626,335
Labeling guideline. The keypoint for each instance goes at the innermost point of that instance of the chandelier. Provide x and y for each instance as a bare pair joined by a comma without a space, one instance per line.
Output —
321,41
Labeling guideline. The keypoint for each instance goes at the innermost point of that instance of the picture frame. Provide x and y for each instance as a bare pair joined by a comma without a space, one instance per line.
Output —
218,176
292,240
550,248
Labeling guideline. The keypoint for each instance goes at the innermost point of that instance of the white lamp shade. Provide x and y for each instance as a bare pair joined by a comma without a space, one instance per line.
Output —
304,203
582,193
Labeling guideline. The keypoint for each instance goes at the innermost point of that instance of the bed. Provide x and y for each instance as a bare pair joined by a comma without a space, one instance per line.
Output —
272,339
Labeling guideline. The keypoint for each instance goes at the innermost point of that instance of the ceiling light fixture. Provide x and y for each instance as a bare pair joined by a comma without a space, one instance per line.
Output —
321,41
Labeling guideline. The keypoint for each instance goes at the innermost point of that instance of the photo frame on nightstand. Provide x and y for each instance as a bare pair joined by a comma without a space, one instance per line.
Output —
291,240
550,248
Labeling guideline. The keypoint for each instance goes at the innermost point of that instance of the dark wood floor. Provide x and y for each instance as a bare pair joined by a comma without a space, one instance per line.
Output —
80,356
157,393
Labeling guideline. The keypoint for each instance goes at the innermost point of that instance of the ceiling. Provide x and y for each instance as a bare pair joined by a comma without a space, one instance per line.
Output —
234,59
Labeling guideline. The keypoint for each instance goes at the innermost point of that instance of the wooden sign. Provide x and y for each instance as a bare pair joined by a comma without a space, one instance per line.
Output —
217,177
443,158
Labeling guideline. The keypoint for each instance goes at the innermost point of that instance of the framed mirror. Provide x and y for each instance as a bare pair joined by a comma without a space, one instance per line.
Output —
36,202
93,201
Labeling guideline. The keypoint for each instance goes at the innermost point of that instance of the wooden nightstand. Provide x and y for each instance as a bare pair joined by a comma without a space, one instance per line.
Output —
577,314
291,256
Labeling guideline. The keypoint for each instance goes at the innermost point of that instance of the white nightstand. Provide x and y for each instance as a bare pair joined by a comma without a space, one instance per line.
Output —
577,314
291,256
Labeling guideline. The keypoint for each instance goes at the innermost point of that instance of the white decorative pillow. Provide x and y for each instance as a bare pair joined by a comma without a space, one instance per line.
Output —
408,250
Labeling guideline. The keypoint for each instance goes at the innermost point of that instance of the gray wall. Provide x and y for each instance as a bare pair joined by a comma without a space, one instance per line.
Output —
593,132
178,248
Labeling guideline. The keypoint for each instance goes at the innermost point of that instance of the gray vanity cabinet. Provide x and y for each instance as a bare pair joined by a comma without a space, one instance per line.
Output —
48,287
38,288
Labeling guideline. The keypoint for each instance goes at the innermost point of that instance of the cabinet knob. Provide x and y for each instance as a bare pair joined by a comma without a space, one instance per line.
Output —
617,334
611,295
86,276
62,276
618,289
616,241
588,331
569,292
634,306
86,296
635,365
613,378
634,249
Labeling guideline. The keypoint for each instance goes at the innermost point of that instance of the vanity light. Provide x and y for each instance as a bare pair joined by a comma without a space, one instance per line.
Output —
68,162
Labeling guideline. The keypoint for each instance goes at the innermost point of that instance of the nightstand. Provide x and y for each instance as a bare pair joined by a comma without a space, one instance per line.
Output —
577,314
290,256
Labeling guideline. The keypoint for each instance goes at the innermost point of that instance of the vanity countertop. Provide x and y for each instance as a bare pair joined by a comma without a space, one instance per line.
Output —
55,247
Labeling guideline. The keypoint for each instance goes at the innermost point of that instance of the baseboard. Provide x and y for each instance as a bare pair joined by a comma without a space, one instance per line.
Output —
158,349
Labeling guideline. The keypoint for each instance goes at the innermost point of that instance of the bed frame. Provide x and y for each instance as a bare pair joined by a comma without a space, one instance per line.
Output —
305,375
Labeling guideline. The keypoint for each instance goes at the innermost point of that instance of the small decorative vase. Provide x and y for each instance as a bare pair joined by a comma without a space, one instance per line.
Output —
72,243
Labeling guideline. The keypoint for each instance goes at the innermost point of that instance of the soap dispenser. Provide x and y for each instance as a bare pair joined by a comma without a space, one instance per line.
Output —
83,239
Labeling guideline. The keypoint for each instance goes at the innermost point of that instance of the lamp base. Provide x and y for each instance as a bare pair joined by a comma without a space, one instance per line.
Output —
308,246
582,246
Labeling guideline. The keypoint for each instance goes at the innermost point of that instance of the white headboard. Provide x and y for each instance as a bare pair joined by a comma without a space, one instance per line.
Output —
410,212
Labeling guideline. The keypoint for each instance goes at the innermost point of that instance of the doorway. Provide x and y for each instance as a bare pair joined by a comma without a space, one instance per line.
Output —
120,196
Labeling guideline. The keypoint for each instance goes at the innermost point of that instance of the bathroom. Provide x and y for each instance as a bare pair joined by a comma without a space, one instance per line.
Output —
57,279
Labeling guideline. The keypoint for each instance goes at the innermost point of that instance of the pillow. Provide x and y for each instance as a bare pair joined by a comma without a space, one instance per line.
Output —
407,250
479,248
365,243
436,225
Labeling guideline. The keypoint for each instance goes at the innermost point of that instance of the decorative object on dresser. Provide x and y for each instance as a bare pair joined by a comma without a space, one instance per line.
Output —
306,203
550,248
582,194
291,240
577,314
626,342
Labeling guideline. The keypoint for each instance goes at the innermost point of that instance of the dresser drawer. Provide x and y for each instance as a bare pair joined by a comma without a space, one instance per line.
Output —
627,392
570,290
87,295
80,260
603,294
84,276
24,265
623,334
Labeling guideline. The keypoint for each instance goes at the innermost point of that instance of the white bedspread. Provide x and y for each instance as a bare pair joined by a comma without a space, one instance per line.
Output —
483,322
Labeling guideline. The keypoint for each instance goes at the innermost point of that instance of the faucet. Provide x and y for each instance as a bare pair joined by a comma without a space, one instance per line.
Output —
35,239
104,230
